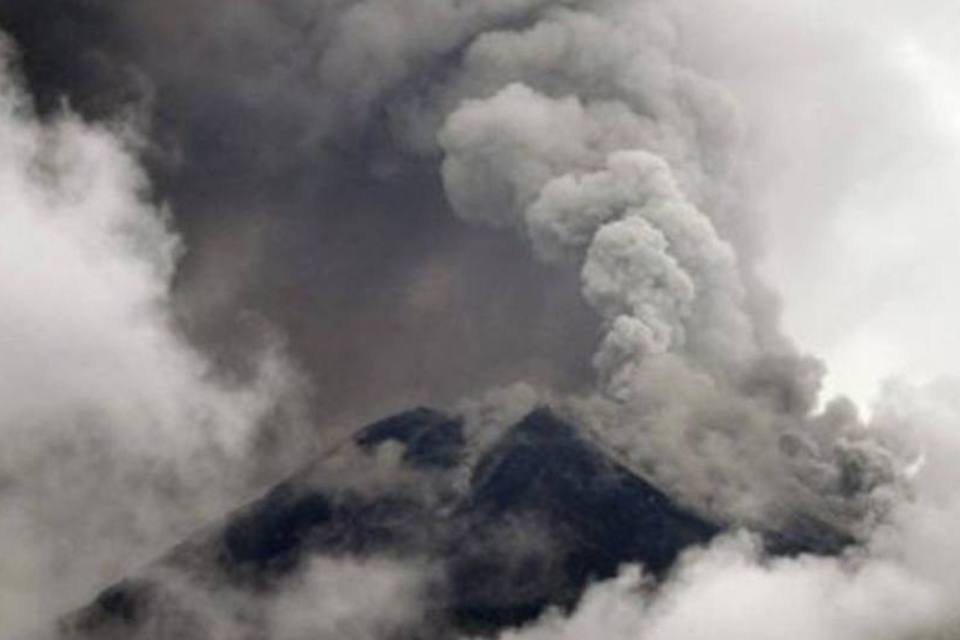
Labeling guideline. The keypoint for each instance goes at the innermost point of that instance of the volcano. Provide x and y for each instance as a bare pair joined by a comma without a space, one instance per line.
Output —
524,525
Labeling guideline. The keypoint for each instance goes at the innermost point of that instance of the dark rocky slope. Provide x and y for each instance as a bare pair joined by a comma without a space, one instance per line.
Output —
580,515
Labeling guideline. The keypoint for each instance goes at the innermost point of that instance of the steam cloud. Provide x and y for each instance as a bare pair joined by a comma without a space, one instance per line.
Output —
577,125
119,437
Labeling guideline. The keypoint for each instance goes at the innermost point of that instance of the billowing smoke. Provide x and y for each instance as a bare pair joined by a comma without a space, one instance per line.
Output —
429,198
899,584
583,131
118,436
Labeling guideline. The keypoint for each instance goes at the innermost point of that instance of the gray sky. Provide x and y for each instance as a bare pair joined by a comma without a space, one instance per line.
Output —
852,111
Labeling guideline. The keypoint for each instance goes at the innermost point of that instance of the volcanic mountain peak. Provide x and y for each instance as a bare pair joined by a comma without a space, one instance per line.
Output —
543,511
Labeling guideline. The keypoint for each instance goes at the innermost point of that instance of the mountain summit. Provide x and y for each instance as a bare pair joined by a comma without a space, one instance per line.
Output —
507,532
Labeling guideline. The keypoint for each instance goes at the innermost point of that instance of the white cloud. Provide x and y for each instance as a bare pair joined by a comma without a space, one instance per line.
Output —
116,432
900,584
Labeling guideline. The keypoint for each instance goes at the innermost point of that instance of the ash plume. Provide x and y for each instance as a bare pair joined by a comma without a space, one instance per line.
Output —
426,200
583,131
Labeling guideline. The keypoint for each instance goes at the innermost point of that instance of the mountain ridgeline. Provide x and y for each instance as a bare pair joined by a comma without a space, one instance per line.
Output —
525,525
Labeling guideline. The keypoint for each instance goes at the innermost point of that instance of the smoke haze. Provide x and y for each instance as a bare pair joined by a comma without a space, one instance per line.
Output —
235,231
118,435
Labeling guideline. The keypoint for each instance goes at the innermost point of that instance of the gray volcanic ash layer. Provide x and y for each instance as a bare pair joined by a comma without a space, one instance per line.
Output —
232,231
